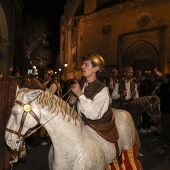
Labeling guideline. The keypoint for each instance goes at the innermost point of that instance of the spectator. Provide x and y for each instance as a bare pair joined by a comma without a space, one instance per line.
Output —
50,85
164,95
125,90
31,81
10,70
8,91
16,74
145,89
112,80
157,85
58,91
156,73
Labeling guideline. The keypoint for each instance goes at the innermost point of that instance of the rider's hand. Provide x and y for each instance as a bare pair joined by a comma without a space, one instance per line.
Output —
75,88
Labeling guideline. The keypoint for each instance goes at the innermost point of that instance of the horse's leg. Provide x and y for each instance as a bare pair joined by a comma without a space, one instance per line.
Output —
51,157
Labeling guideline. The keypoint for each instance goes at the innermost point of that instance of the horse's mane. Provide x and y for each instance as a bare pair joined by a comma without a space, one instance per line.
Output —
56,104
143,99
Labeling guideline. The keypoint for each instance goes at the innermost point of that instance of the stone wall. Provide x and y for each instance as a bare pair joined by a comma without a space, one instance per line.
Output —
133,33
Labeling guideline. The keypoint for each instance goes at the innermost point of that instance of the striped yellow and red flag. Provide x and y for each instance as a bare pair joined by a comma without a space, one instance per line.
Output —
128,161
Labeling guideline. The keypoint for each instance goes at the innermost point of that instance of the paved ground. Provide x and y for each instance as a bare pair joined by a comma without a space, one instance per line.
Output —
155,157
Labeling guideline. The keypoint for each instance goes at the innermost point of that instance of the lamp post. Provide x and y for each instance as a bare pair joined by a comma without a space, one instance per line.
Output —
65,65
59,73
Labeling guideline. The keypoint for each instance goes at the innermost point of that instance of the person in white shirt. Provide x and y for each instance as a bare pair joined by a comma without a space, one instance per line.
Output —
93,100
58,91
126,89
93,96
112,80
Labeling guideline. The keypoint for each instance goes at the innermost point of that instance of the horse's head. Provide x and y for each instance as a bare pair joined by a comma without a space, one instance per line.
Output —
25,115
153,108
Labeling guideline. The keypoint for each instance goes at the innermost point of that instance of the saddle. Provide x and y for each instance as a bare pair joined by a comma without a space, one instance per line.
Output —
107,130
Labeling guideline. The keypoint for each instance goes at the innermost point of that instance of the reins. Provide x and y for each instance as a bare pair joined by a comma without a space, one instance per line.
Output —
35,130
145,108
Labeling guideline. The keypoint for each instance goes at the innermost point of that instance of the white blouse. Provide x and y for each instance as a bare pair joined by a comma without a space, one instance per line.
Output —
94,109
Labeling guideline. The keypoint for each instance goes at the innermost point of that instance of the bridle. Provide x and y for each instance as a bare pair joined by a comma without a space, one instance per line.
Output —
21,137
150,106
27,109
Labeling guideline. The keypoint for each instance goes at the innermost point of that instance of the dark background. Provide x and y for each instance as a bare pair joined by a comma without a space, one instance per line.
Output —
51,10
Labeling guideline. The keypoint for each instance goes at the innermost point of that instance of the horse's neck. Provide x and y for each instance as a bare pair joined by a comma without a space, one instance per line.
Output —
59,127
137,106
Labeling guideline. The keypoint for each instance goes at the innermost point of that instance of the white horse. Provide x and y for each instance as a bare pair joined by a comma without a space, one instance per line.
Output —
75,146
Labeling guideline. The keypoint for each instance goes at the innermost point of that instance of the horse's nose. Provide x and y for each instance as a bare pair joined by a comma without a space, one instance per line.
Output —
9,142
8,139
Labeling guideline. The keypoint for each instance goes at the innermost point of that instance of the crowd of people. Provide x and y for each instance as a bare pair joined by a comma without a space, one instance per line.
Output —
129,87
94,97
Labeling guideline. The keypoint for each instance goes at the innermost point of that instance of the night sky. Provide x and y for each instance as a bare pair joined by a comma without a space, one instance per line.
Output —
51,10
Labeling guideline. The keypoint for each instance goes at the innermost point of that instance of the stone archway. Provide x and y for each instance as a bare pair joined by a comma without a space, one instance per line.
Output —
4,41
141,55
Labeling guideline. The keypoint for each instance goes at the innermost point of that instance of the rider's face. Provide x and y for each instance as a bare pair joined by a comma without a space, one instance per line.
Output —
87,69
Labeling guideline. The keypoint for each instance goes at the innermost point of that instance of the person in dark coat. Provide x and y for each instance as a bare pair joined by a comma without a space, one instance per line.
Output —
7,95
146,88
164,95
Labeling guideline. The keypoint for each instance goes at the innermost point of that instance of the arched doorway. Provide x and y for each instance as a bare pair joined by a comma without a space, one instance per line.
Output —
4,42
142,56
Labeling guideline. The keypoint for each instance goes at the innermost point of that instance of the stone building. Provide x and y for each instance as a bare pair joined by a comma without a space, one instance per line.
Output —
129,32
11,44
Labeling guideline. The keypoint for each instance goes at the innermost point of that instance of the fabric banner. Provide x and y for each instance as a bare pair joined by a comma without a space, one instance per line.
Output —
128,161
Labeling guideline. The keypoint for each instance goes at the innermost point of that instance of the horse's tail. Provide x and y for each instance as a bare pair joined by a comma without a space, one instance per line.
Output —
137,140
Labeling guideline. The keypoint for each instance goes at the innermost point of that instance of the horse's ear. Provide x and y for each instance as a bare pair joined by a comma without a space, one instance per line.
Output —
17,90
31,95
